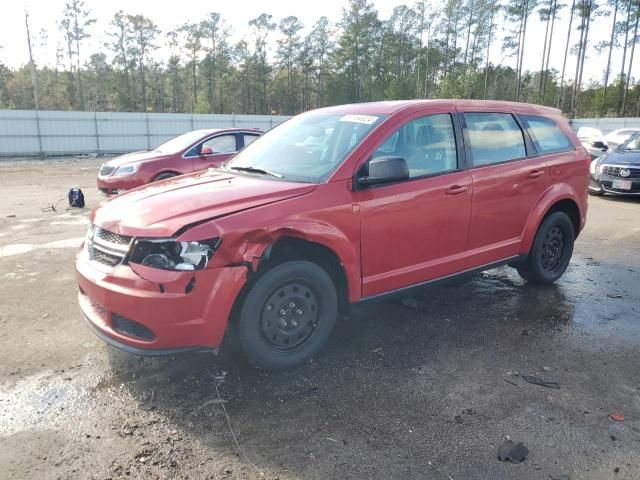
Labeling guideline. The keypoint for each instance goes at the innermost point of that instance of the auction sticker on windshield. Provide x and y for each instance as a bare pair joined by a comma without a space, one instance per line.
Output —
366,119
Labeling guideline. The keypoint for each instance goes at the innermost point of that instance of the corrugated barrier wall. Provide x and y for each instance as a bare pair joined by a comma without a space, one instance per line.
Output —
27,132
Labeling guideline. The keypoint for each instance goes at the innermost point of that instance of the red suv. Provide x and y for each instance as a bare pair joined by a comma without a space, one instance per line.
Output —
335,206
187,153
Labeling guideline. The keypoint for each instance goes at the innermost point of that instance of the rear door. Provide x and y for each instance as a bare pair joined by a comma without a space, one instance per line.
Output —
508,179
416,230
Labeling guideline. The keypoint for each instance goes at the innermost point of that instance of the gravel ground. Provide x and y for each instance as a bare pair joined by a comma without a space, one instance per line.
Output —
425,389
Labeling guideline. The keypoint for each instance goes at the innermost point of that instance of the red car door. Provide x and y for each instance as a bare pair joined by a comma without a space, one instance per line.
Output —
215,150
508,179
416,230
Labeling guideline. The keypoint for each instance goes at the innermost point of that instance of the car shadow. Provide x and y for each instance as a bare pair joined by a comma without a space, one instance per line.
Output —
391,367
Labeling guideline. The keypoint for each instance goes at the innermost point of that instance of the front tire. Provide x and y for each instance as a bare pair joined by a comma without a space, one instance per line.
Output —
287,315
551,250
164,176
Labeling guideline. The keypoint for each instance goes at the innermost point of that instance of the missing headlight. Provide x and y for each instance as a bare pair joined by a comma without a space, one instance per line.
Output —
168,254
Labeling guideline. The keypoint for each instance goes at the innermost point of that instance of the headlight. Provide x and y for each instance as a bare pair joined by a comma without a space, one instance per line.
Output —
126,170
168,254
592,167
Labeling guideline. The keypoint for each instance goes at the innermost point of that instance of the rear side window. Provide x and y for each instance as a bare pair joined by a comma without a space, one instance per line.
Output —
546,135
494,138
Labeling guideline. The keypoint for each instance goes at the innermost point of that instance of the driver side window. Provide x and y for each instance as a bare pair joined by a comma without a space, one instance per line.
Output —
427,143
221,144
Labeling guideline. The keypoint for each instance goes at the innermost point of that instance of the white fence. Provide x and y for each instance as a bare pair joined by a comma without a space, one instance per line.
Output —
605,124
27,132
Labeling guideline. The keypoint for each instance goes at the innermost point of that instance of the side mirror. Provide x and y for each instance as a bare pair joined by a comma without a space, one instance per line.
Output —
599,144
384,169
206,150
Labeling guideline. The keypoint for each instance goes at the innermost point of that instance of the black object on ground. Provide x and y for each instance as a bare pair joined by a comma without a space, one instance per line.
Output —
540,381
514,453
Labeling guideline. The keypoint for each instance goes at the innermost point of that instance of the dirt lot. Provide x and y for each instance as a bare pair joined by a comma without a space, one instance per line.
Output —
400,392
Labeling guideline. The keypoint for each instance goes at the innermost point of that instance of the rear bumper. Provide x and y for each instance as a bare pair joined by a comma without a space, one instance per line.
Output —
152,312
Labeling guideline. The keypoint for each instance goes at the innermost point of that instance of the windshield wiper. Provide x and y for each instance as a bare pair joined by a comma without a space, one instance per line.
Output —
257,170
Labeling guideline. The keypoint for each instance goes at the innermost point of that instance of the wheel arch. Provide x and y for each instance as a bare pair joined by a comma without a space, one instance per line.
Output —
558,198
292,247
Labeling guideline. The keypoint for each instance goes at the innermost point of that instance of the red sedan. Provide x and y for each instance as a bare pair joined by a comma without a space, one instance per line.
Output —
190,152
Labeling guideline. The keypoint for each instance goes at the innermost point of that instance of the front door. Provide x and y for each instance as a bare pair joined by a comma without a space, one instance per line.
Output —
416,230
214,151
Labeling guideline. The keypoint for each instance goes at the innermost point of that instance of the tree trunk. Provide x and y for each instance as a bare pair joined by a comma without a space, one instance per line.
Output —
608,69
544,49
564,62
624,56
576,87
489,39
546,67
634,39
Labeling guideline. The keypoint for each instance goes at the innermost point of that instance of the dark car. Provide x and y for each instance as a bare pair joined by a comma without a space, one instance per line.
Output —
339,205
618,171
187,153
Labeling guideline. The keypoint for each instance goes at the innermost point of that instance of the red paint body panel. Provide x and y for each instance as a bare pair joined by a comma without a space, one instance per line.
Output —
178,319
385,238
152,163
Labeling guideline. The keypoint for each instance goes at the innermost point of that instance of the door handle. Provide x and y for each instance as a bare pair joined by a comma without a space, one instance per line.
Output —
457,189
535,173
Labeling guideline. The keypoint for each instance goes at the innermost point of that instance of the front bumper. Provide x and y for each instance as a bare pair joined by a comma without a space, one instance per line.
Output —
148,311
604,184
111,185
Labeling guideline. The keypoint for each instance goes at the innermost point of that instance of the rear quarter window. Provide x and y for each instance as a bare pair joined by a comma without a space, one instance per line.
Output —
547,136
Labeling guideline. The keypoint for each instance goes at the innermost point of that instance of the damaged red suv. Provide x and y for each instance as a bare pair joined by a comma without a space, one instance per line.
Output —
335,206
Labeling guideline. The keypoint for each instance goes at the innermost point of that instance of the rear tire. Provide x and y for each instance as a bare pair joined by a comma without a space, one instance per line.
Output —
287,315
551,250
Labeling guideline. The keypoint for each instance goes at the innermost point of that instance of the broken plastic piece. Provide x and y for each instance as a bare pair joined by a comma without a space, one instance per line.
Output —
618,417
514,453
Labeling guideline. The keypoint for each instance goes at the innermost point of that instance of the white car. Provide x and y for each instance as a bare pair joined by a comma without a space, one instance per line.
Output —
593,140
618,137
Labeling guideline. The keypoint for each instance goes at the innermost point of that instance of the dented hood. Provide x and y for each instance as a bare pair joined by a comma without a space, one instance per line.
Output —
163,208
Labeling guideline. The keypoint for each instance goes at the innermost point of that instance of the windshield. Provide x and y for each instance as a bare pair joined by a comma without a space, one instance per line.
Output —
178,144
307,148
632,144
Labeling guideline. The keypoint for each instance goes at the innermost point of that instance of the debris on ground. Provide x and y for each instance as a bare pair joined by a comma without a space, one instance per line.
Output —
564,476
510,382
614,295
618,417
214,401
512,452
410,302
532,379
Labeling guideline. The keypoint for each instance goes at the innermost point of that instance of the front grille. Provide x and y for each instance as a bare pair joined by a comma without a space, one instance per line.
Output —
614,171
107,248
130,328
103,257
106,170
111,237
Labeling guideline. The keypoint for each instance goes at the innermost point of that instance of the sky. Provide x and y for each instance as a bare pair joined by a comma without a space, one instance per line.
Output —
45,14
